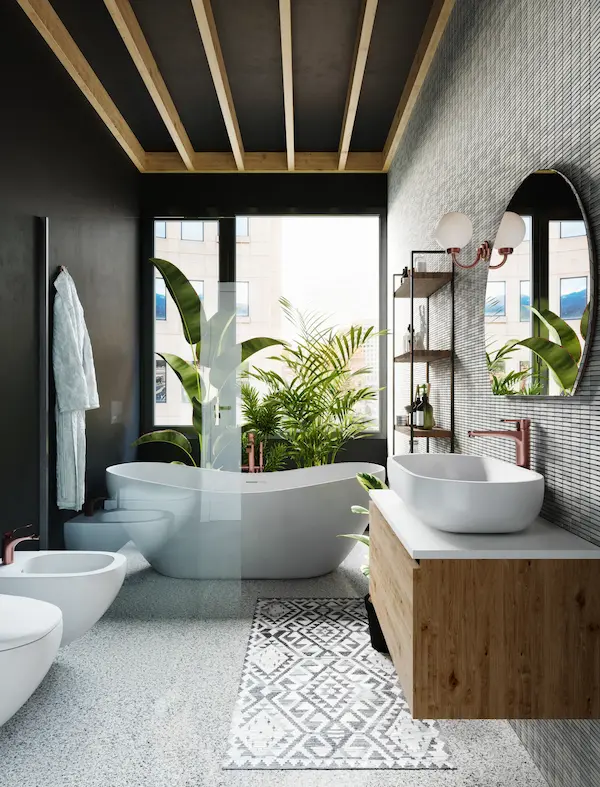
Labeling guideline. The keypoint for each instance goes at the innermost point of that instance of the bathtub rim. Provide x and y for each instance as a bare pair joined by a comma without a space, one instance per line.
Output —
365,467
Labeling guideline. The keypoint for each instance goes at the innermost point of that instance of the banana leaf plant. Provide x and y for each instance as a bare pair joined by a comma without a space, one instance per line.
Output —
368,482
561,353
215,360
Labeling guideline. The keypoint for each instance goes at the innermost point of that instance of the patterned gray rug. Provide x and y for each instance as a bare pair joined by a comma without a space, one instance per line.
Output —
314,694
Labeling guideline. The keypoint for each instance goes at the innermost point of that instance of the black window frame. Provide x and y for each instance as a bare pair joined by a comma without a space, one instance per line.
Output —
227,273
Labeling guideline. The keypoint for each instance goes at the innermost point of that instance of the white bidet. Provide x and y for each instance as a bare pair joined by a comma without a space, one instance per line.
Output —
30,635
82,584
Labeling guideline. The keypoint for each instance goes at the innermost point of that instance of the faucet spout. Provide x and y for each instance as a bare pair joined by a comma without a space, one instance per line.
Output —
520,435
10,541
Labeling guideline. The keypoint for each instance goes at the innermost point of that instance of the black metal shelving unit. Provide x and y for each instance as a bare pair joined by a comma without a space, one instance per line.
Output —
422,285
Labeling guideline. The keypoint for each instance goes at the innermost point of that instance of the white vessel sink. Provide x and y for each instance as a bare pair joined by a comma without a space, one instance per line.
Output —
467,494
82,584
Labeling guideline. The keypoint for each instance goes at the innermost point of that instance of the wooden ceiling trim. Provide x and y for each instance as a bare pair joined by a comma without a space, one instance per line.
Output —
264,162
432,35
361,52
130,31
214,55
285,25
52,30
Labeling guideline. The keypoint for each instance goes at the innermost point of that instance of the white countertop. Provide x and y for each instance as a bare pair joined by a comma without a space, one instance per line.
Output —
541,540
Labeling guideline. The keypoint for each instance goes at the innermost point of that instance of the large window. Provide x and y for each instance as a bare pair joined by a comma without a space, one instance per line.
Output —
319,263
192,230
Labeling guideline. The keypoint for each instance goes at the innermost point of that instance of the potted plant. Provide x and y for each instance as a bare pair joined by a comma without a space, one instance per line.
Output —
307,411
368,482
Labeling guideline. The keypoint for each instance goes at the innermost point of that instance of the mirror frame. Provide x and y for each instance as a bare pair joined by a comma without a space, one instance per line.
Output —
593,300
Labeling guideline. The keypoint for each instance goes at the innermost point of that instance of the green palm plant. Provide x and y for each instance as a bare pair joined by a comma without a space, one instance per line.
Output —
313,405
561,353
214,360
368,482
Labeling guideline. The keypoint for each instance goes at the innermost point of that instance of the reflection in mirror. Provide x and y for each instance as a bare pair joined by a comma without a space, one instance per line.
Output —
538,304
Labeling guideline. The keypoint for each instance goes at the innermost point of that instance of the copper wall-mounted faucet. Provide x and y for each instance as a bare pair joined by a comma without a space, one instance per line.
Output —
521,436
10,541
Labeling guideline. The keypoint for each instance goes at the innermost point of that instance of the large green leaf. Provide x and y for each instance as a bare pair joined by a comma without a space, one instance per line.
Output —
189,305
197,418
227,362
369,481
168,436
585,322
188,375
557,359
560,331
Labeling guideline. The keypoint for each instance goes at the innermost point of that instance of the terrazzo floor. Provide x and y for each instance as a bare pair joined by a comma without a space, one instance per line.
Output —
146,697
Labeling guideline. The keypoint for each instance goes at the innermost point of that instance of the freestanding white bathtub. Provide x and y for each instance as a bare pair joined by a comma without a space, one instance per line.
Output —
213,524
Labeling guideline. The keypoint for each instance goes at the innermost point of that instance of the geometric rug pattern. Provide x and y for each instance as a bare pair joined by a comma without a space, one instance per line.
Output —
314,694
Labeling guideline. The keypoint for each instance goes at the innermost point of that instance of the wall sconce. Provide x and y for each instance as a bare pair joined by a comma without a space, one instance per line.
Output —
455,230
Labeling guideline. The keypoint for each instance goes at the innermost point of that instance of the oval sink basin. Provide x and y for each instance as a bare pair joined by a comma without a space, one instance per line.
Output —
467,494
67,563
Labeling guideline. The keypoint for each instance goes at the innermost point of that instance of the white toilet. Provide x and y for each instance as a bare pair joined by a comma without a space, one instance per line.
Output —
30,635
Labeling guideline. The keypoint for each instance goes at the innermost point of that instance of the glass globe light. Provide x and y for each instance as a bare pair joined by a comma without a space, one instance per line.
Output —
510,232
454,231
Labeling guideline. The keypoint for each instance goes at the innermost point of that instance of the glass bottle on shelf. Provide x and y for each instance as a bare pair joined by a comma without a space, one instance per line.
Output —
419,413
428,420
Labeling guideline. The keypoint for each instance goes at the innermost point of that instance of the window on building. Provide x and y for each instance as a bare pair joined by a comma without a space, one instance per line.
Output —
160,295
525,301
572,229
198,285
242,227
495,300
161,381
160,229
242,299
527,220
192,230
573,297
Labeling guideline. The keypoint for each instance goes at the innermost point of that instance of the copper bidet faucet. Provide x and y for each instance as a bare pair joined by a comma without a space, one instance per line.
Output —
521,436
10,541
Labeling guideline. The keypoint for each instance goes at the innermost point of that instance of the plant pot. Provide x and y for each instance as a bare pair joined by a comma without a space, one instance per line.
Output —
377,638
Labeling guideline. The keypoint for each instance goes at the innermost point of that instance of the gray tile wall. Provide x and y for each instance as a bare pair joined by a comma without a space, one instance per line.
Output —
515,87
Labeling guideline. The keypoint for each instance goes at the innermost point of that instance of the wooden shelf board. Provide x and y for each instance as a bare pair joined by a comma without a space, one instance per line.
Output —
424,356
424,284
420,432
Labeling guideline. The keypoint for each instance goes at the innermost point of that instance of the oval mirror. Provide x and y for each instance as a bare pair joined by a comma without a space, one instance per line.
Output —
538,303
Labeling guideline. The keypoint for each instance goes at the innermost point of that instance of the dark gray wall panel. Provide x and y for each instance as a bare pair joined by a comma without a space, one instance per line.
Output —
60,161
515,87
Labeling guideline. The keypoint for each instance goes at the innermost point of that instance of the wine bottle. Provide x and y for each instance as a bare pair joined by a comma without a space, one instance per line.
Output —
419,413
428,421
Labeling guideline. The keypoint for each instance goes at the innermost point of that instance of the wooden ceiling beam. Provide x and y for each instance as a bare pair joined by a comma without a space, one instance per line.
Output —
430,39
55,34
285,25
129,28
361,52
214,55
264,162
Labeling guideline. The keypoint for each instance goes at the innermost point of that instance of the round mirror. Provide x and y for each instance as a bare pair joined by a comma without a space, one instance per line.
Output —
539,302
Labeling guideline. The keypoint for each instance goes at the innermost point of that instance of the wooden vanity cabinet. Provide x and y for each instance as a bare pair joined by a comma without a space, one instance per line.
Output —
487,638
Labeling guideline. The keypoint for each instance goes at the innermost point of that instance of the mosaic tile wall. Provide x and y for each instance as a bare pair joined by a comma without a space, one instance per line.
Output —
515,87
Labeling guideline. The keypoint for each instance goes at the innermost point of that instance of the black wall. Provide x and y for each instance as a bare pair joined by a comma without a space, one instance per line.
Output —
515,87
58,160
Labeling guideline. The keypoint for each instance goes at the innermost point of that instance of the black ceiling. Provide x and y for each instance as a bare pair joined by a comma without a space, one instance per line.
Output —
323,40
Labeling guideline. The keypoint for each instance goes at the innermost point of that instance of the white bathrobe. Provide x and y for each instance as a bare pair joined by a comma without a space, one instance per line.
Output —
76,391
